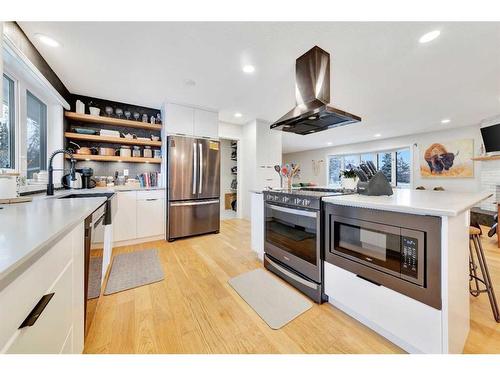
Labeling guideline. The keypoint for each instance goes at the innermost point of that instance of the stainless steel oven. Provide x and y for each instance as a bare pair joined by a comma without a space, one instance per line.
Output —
292,243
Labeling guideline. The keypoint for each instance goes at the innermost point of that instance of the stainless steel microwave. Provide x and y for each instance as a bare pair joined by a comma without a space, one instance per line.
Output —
397,251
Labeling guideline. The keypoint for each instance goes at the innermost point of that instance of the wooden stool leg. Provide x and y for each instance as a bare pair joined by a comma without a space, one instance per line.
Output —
486,276
472,270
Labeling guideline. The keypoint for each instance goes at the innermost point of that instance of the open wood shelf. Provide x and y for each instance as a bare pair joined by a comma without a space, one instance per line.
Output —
115,158
103,120
103,139
486,158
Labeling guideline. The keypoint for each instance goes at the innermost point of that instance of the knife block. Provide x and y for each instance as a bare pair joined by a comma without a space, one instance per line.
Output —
377,185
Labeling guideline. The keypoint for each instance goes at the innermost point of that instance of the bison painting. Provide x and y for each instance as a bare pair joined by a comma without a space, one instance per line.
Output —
438,158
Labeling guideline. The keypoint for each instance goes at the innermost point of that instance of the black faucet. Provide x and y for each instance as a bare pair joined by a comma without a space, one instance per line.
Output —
50,185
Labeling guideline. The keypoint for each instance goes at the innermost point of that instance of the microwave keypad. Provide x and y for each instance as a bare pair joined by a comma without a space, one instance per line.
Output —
409,263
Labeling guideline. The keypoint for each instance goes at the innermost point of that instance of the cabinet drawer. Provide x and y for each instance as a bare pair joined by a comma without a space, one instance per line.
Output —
151,194
21,296
50,332
406,322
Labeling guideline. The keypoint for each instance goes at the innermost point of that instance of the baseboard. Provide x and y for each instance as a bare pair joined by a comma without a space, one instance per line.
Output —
134,241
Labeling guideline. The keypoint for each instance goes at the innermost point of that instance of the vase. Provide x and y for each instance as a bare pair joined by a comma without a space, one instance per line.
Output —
348,183
289,183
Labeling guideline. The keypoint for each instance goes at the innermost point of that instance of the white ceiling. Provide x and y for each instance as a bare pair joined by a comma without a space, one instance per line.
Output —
379,70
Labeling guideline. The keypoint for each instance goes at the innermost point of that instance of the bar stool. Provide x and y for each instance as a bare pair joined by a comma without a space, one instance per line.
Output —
475,289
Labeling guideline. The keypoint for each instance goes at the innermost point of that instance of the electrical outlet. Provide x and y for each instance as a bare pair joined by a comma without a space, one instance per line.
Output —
125,172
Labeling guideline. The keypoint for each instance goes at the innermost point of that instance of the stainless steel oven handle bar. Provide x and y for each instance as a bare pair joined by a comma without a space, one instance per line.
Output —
291,275
194,203
293,211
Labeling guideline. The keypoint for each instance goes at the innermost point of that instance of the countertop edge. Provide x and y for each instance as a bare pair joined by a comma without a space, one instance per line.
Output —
408,209
11,273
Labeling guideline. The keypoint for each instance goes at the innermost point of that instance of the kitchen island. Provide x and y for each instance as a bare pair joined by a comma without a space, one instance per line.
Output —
430,326
42,262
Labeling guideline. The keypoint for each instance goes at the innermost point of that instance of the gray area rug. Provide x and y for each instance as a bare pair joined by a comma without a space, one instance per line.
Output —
95,277
272,299
131,270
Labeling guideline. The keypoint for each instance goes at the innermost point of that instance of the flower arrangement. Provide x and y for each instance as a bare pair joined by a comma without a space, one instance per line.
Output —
289,171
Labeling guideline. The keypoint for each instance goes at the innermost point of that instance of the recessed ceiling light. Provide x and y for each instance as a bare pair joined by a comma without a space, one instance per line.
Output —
426,38
47,40
237,114
377,135
248,68
445,121
329,143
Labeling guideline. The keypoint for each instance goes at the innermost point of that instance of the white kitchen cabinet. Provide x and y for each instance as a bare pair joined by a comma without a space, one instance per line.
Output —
206,123
59,327
190,121
150,217
257,224
125,220
179,119
140,214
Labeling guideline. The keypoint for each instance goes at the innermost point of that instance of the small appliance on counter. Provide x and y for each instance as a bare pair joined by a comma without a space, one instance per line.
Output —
9,185
371,180
83,179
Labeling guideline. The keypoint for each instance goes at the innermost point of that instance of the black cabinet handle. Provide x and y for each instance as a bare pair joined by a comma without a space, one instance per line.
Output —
37,311
370,281
152,199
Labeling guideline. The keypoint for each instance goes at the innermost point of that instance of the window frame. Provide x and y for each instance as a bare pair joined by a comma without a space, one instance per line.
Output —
13,123
44,131
374,153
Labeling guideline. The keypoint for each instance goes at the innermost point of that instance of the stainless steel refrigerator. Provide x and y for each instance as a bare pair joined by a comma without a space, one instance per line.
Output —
193,173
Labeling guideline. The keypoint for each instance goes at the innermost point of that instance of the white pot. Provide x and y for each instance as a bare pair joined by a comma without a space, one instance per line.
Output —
9,186
349,183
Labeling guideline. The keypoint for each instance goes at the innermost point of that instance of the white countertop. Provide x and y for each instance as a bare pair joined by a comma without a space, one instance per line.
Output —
28,230
420,202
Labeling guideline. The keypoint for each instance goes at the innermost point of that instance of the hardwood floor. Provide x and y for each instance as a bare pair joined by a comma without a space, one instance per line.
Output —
194,310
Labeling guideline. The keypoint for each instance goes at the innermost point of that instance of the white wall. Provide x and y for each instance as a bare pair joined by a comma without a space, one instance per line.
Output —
414,141
247,171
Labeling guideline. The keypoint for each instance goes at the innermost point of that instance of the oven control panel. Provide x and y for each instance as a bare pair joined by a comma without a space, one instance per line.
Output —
409,256
292,200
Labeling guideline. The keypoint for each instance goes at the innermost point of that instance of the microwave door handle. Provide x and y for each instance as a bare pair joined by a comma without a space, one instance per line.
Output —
201,169
195,167
293,211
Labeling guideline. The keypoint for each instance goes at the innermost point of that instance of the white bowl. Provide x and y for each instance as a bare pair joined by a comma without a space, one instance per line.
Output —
94,111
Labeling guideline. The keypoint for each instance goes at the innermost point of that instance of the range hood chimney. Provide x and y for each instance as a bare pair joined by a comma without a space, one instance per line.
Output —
312,94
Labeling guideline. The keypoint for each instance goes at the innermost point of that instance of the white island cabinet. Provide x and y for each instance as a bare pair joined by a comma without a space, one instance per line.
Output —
42,260
411,324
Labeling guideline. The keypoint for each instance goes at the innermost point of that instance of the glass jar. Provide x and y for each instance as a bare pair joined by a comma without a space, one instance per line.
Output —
148,153
136,152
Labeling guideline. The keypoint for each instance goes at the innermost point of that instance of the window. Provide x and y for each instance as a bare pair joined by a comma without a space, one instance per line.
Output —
403,167
7,126
396,165
36,135
384,162
334,167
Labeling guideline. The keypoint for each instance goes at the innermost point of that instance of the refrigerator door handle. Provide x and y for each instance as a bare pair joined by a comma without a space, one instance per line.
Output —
201,169
200,203
195,167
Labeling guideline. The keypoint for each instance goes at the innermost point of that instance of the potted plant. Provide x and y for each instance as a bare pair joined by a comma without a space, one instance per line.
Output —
348,179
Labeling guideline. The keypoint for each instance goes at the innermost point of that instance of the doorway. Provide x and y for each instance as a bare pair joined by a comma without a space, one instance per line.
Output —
229,179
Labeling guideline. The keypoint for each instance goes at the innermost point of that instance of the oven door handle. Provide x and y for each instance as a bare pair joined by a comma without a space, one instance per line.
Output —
293,211
291,275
